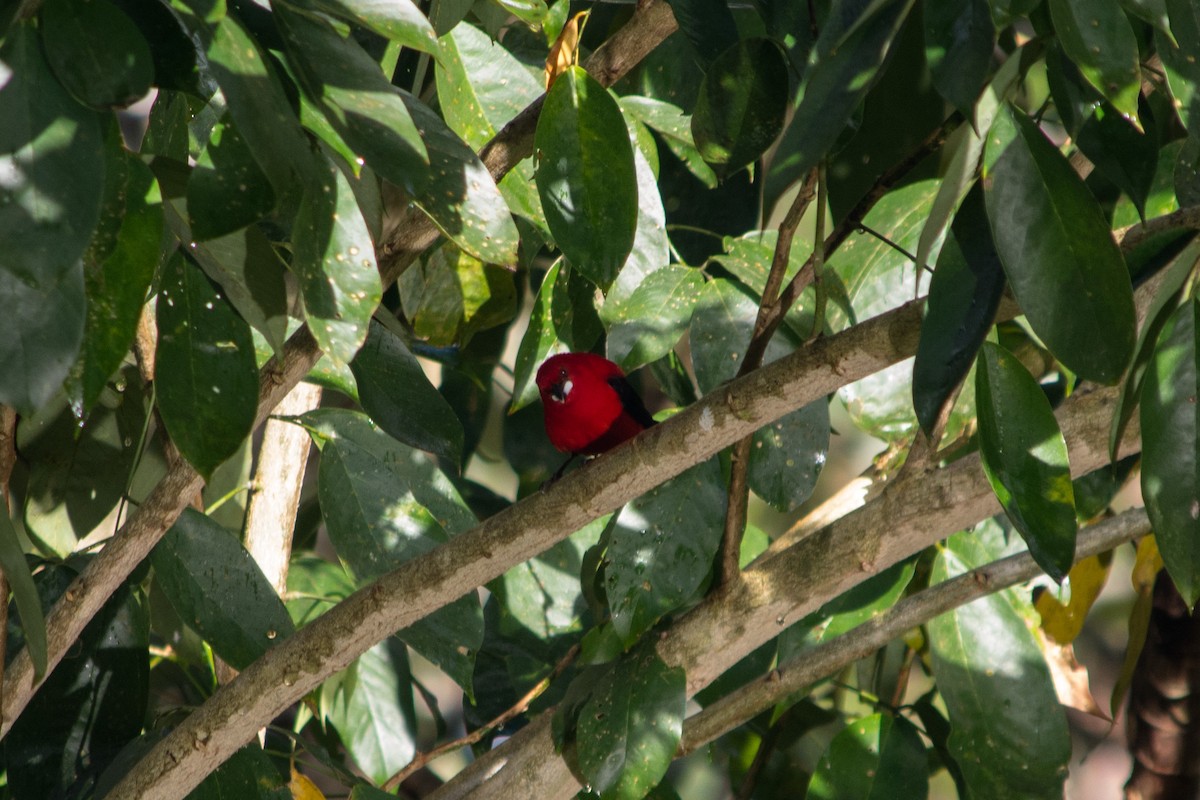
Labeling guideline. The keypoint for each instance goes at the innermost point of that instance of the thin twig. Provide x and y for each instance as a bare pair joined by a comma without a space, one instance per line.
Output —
818,259
521,706
739,491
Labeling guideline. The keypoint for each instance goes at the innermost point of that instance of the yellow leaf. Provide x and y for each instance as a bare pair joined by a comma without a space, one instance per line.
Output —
565,51
1071,680
1146,567
1145,570
1062,623
303,788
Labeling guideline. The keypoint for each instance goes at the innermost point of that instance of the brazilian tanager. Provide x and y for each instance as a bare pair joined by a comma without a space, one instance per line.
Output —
589,405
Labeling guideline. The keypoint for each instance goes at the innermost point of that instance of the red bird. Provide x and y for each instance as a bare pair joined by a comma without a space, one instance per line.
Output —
589,405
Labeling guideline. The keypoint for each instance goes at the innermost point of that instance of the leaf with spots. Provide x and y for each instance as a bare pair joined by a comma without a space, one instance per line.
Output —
216,587
398,20
448,296
227,190
629,728
334,260
661,551
722,324
787,456
1024,456
1009,734
207,380
400,399
647,326
376,523
1097,36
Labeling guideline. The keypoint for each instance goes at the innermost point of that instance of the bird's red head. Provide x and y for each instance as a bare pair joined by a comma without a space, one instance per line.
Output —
589,406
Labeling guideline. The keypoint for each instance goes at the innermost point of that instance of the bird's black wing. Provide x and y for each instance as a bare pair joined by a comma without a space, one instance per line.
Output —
631,401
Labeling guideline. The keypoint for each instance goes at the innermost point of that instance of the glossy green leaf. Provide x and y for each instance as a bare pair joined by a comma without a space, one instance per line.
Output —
1058,253
377,521
676,132
742,104
1008,733
540,340
1170,446
248,774
97,52
586,176
449,296
959,39
1074,98
117,278
227,189
334,259
91,705
963,297
849,54
360,102
786,457
25,595
573,310
481,87
651,246
371,706
259,106
709,25
1152,11
52,157
248,270
314,586
878,756
722,324
748,258
217,588
1097,36
648,325
1122,153
79,472
398,20
662,548
206,376
629,729
400,399
1024,456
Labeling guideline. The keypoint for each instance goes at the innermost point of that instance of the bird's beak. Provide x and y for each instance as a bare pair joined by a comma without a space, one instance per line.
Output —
559,391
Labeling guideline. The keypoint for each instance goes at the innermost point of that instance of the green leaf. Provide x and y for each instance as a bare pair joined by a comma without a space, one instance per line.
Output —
651,246
1122,153
787,456
586,176
963,297
90,706
662,548
748,258
449,296
676,133
629,729
25,595
97,52
959,39
52,157
848,58
720,332
206,376
334,259
247,268
314,585
876,756
399,20
1058,253
376,522
1008,733
248,774
742,104
371,705
227,189
1097,36
539,341
709,25
573,310
1024,456
217,588
1152,11
647,326
1170,447
117,279
400,399
481,87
